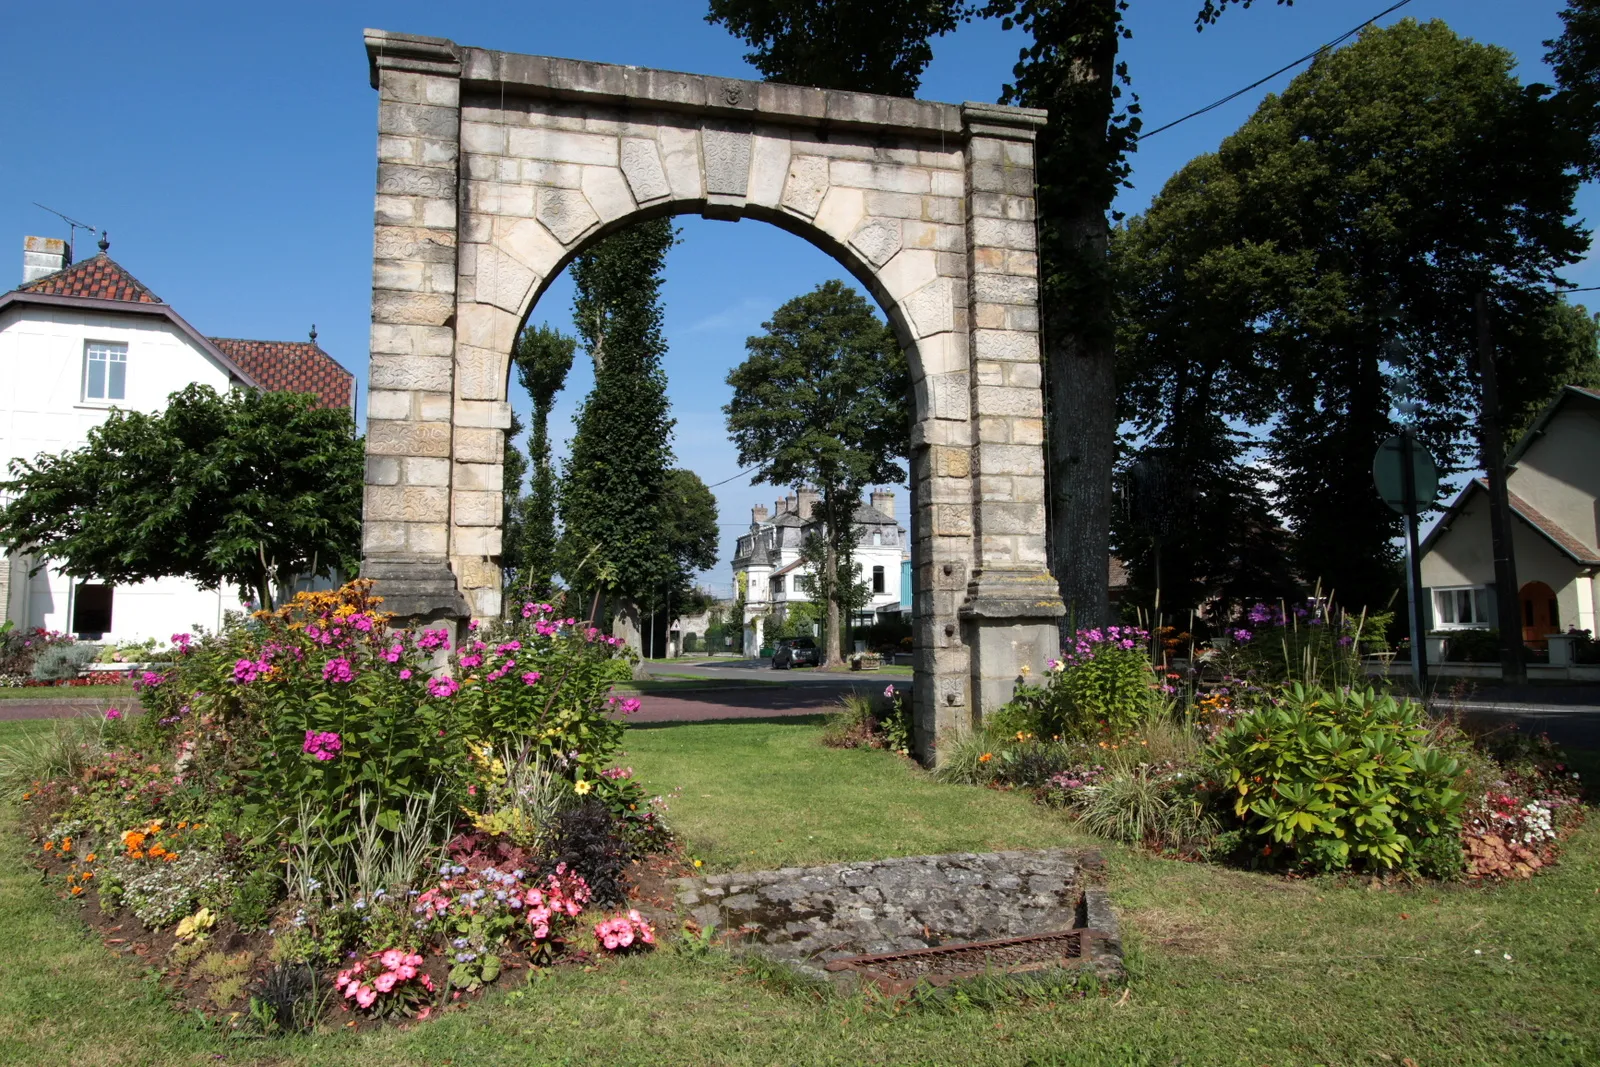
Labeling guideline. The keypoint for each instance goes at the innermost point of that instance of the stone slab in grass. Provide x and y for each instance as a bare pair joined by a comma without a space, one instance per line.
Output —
810,917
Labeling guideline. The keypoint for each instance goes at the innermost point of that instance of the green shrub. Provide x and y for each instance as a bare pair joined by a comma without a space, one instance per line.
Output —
1144,805
1337,778
1471,646
61,662
1102,686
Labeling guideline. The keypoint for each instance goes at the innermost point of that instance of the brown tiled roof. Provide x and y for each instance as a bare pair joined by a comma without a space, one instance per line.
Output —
1553,531
100,278
292,367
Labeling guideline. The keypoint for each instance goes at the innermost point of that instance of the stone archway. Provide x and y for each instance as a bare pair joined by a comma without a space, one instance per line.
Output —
495,169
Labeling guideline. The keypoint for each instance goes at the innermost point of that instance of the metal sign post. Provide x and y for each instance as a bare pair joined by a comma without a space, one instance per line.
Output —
1406,475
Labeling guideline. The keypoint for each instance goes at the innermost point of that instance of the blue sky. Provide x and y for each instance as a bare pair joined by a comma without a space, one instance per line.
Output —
229,150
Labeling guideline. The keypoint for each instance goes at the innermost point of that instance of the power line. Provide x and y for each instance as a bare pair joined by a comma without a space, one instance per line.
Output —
1256,84
1585,289
741,474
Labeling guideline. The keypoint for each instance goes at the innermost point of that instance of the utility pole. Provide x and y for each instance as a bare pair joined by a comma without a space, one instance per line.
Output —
1512,668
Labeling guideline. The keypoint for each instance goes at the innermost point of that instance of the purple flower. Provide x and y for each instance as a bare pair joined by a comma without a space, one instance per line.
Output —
113,713
337,670
442,687
531,678
1241,635
321,746
405,674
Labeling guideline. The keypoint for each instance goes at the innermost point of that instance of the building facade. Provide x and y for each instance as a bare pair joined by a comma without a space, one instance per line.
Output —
1553,482
78,340
766,561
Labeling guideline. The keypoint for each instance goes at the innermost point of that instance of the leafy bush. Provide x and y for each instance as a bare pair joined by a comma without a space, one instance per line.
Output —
1337,778
1471,646
19,648
586,840
61,661
861,721
1102,686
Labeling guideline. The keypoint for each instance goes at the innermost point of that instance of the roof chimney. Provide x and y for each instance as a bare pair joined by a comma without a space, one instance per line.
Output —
808,503
41,256
758,515
790,504
883,500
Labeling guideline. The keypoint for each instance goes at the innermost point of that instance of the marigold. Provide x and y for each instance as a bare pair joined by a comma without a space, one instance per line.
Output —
986,757
77,890
49,846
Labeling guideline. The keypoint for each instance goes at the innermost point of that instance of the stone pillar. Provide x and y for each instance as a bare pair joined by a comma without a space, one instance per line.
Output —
405,518
1012,602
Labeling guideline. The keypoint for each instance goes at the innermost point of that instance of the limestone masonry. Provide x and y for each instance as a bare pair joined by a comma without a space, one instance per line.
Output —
495,170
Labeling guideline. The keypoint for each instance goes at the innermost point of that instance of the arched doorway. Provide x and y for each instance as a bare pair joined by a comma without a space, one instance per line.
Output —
495,170
1541,614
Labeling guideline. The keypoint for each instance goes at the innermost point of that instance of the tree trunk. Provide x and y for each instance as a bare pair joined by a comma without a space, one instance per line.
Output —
831,583
1082,398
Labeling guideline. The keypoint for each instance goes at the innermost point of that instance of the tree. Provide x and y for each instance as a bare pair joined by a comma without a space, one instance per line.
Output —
1575,58
245,489
543,357
1069,67
615,477
860,47
1323,265
820,400
513,506
689,522
1557,348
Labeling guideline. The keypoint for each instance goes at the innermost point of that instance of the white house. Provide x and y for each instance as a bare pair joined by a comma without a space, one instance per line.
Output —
767,559
78,339
1553,482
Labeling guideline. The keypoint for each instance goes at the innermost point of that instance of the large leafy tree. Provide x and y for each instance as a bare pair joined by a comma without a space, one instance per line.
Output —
245,489
543,357
615,478
1575,58
1323,265
1070,66
820,399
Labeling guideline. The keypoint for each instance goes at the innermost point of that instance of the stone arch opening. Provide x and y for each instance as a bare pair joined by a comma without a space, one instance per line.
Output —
496,169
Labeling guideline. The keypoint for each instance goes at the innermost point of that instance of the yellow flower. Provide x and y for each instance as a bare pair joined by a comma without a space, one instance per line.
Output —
582,787
697,863
1026,670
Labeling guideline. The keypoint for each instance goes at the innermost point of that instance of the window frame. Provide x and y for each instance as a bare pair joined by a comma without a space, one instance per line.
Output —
1479,601
109,350
880,580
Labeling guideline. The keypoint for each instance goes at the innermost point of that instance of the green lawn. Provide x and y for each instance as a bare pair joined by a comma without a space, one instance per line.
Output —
64,692
1228,967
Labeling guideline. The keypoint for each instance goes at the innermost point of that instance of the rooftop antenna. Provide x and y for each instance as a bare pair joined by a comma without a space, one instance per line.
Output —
76,226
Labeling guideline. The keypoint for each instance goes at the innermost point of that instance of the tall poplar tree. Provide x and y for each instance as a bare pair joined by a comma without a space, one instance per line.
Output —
615,478
543,357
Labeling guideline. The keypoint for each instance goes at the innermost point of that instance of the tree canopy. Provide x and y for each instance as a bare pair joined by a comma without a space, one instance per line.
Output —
243,488
821,400
1323,264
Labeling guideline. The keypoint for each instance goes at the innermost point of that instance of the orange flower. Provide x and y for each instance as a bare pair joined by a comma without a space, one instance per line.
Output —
77,890
170,856
986,757
91,857
49,846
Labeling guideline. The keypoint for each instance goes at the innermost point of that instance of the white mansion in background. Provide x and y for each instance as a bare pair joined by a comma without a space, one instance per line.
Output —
769,557
77,340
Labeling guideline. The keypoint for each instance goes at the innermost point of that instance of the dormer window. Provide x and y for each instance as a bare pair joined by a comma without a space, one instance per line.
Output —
105,371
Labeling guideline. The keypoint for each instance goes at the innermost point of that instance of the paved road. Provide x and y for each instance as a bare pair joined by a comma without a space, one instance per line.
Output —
62,708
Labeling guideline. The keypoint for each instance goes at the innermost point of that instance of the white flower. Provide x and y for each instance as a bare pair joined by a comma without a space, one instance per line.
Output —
1508,955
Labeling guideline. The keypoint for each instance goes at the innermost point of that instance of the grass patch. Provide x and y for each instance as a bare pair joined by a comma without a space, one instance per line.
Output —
64,692
1229,967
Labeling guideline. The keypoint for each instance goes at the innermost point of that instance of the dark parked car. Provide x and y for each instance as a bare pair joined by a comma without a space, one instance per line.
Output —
795,652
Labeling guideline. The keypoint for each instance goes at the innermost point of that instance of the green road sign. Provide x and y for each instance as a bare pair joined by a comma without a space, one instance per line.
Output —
1388,471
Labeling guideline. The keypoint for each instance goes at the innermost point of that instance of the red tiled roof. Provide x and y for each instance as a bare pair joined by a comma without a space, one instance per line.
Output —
100,278
292,367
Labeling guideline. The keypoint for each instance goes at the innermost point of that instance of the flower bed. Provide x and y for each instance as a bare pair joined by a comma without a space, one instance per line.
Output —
313,801
1240,755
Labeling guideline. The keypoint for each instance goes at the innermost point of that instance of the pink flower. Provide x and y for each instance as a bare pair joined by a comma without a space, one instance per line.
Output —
384,982
366,997
337,670
405,674
393,653
113,713
888,692
531,678
245,671
629,706
471,661
442,687
406,972
392,958
321,746
509,646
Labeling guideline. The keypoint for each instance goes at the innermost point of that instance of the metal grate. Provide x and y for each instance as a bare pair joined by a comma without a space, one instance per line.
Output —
898,972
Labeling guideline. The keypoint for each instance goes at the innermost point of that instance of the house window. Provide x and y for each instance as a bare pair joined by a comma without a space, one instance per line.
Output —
91,611
105,371
877,580
877,538
802,583
1461,608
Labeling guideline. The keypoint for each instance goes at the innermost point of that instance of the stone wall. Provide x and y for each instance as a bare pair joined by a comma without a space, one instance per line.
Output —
496,169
